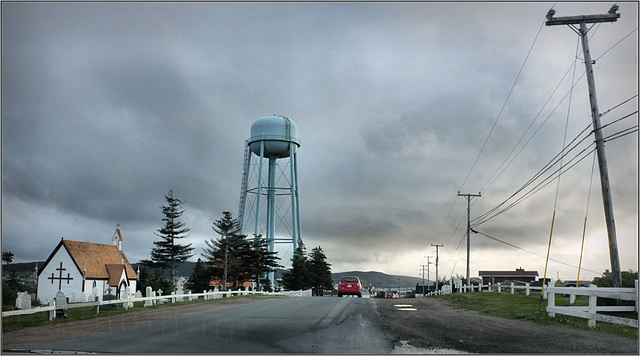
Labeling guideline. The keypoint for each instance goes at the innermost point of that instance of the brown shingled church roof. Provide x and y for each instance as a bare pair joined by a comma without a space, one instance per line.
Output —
98,259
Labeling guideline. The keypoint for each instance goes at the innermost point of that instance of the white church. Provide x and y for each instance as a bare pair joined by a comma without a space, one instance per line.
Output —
83,270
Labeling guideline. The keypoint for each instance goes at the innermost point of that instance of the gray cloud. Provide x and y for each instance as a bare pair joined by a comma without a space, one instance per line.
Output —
107,106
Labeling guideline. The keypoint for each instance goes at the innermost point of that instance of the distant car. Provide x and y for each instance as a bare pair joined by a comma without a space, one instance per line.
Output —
391,295
350,286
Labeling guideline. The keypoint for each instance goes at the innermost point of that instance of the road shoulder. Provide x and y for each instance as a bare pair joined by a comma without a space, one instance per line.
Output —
438,325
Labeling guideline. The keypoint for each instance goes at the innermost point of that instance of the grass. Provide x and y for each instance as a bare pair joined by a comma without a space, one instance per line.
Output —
532,308
17,322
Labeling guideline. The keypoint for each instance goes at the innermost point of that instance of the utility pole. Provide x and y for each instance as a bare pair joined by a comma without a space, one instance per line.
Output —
437,259
468,196
428,273
582,21
423,266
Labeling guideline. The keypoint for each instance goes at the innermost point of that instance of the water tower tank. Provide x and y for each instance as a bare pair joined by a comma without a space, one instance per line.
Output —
277,132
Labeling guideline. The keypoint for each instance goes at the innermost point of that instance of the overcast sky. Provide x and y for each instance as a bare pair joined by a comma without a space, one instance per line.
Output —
107,106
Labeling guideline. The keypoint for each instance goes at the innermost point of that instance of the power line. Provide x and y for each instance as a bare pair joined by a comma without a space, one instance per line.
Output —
495,175
622,133
537,254
490,183
542,171
573,145
617,43
503,106
536,188
617,106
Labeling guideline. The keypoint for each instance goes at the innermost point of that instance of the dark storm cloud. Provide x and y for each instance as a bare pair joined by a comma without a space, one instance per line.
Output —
107,106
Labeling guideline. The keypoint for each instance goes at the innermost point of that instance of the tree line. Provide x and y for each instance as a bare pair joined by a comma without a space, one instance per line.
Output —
229,260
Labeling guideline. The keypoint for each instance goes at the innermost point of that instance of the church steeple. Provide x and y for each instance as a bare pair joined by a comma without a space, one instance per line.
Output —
117,238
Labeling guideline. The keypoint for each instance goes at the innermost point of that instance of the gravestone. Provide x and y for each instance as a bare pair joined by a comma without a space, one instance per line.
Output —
138,294
149,294
52,303
106,298
128,298
23,301
97,307
180,292
160,300
61,305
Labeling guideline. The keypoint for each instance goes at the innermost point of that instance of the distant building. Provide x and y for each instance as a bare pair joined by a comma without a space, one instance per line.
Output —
519,274
77,268
218,283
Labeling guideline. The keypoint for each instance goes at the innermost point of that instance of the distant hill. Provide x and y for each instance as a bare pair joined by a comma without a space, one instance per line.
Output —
380,280
25,267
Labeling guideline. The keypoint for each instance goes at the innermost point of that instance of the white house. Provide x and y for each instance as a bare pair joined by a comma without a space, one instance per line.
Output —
85,269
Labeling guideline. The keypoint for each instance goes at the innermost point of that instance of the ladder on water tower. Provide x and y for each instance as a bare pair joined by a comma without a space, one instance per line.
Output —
243,188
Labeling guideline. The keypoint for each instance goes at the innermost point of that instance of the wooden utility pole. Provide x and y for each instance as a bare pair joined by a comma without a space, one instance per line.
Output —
427,266
582,21
437,259
468,196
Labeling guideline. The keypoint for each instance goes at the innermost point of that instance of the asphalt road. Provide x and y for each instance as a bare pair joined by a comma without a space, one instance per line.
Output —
281,325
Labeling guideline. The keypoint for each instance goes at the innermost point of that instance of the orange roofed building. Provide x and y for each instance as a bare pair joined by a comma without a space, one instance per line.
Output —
83,270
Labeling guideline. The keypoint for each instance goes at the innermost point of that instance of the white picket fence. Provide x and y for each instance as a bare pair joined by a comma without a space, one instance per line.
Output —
130,299
591,312
498,287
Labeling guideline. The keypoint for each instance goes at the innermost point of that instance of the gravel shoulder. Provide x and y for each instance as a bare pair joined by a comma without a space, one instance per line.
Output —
26,337
439,325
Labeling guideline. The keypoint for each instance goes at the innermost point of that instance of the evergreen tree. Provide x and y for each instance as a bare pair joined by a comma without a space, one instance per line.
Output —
7,257
263,262
320,271
143,278
158,281
230,255
200,278
298,276
169,254
628,279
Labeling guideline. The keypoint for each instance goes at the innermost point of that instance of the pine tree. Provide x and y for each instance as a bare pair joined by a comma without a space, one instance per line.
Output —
320,271
143,278
263,262
230,255
200,278
298,276
7,257
169,254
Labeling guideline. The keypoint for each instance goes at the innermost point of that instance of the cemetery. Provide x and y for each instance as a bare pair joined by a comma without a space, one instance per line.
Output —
59,306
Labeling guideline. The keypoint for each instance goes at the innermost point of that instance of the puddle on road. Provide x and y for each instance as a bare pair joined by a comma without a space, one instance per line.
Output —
407,349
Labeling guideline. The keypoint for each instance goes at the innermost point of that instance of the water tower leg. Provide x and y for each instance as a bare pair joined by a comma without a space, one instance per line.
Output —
256,231
294,231
271,210
245,182
295,173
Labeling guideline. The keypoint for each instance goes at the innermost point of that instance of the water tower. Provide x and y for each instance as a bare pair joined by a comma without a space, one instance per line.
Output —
273,143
